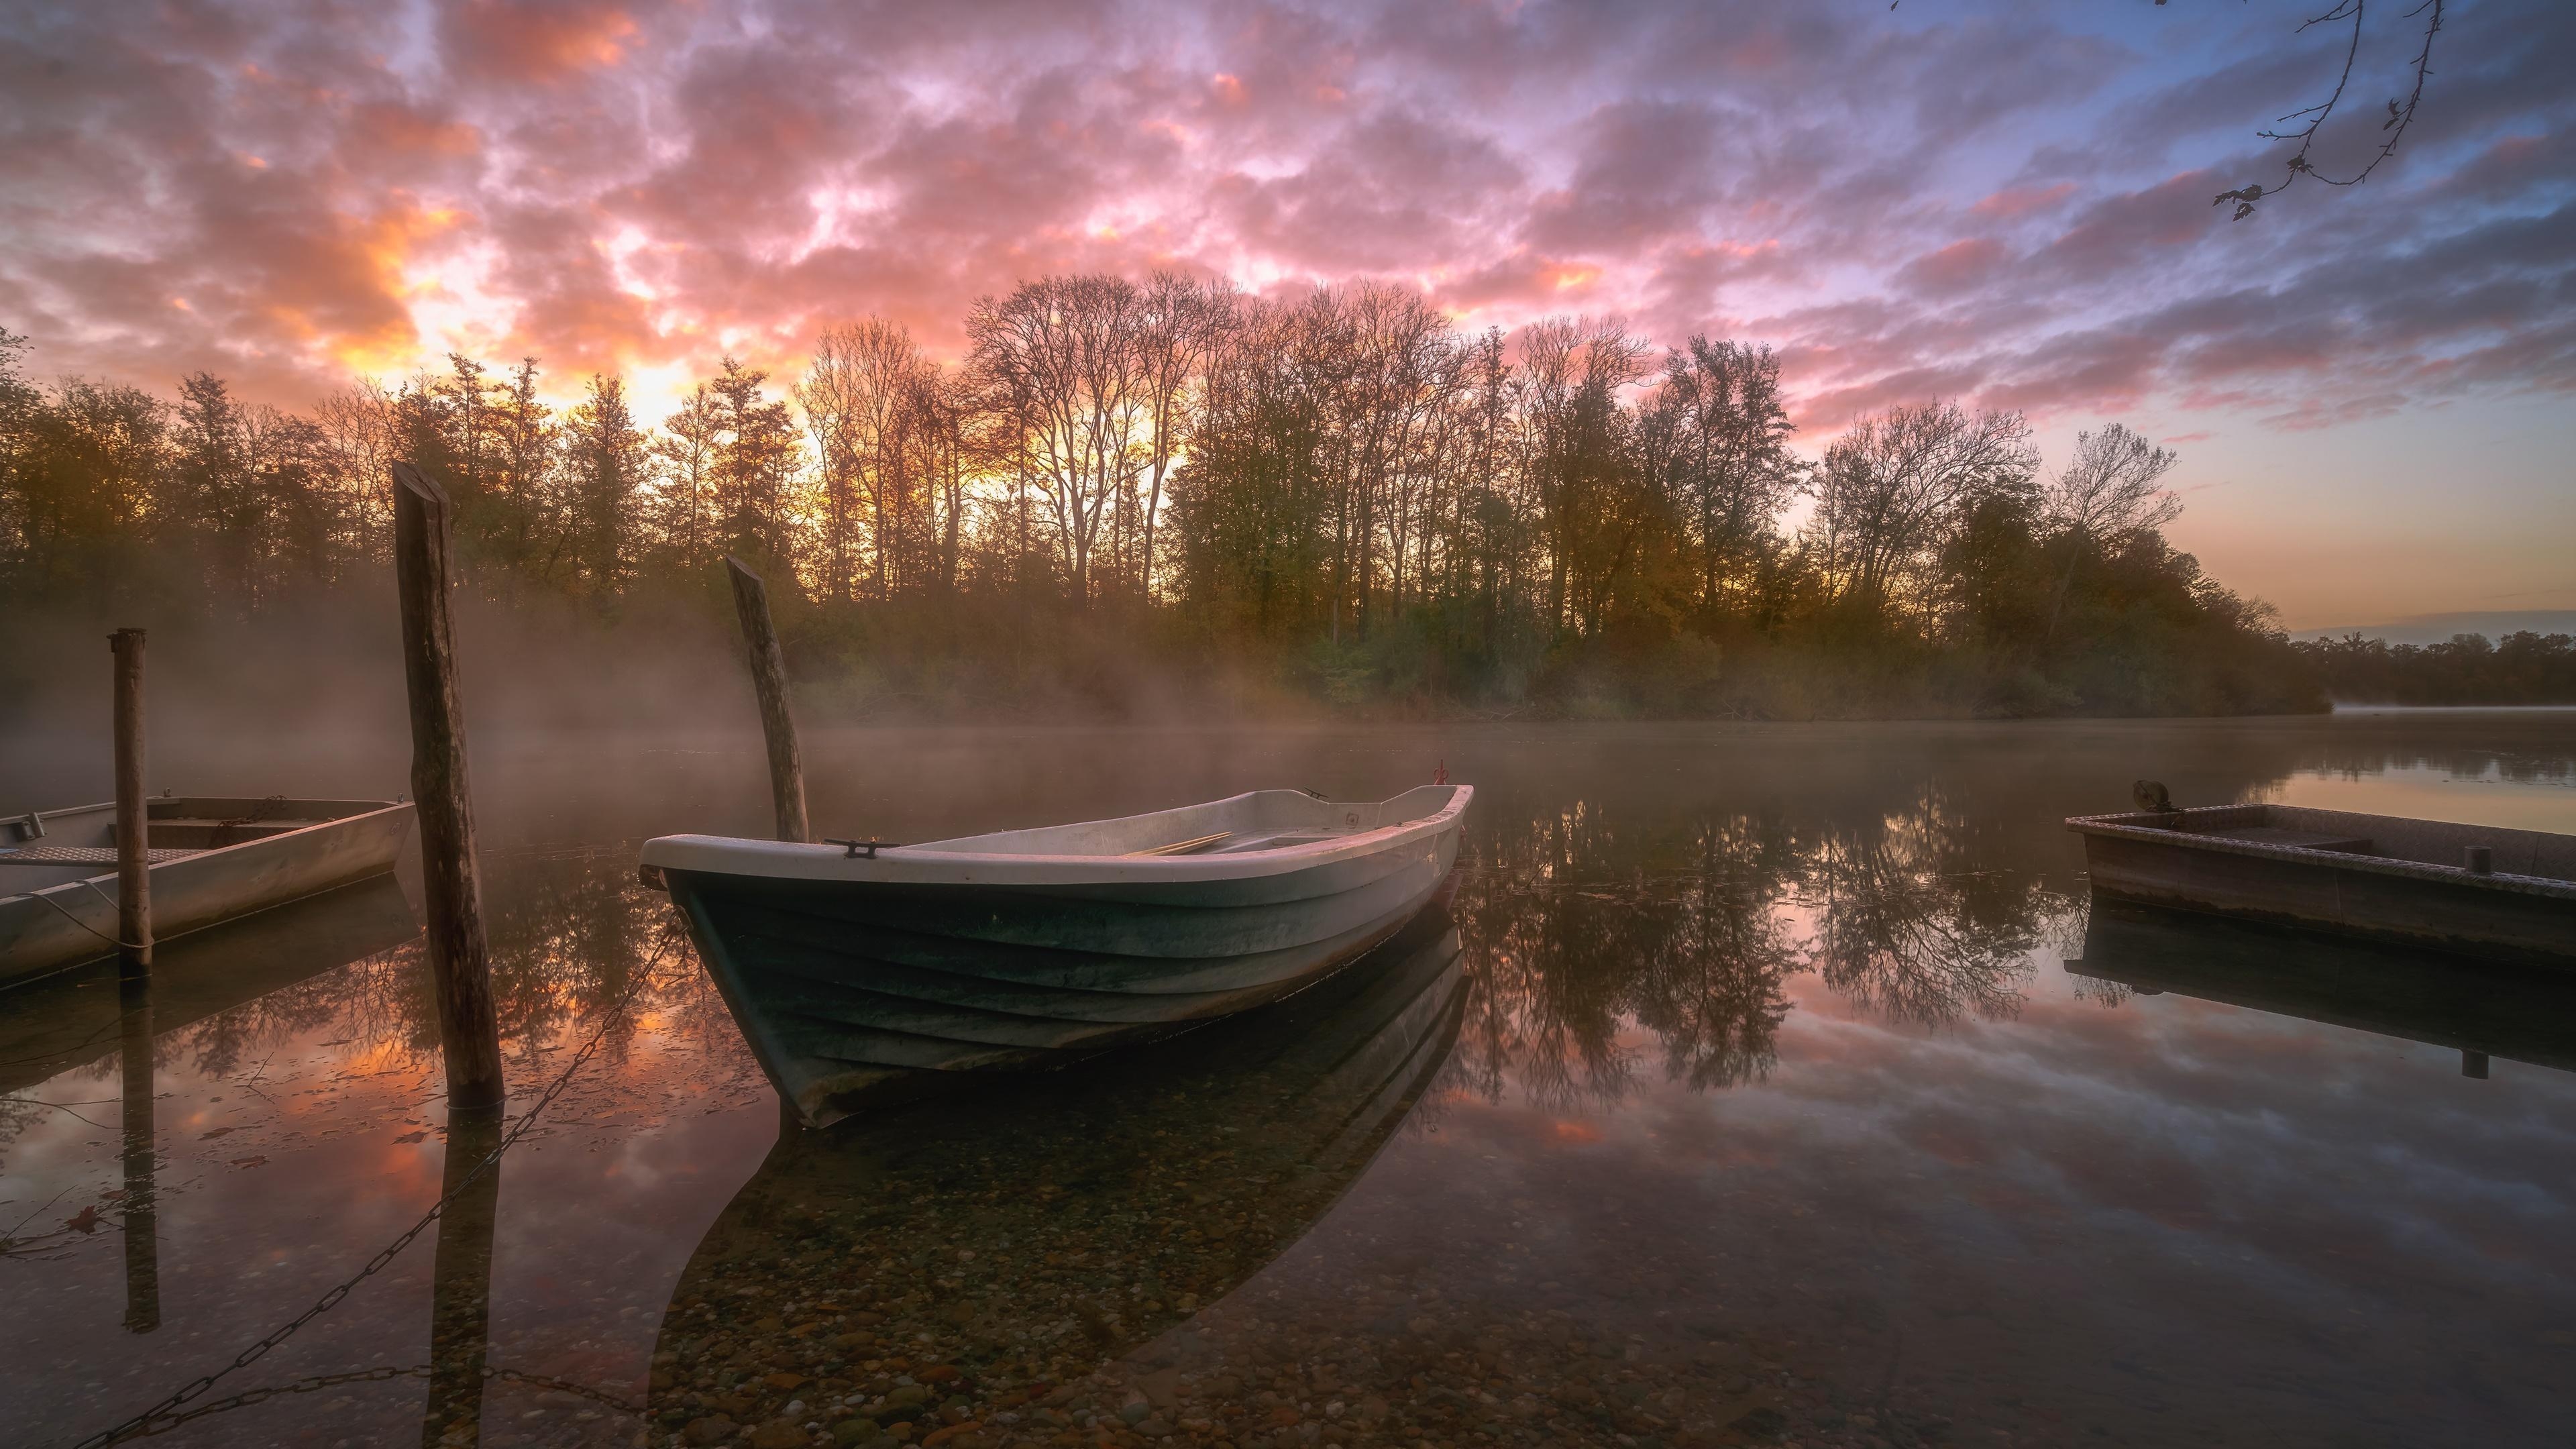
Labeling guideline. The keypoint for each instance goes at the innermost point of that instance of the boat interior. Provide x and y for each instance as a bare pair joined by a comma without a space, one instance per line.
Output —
1262,820
2382,837
56,847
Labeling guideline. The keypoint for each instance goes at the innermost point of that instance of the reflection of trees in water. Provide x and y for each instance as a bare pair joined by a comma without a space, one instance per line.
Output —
1910,927
1574,926
1579,926
568,934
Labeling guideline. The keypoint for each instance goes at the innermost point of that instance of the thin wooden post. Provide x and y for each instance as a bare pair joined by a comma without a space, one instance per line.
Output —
452,885
769,682
133,816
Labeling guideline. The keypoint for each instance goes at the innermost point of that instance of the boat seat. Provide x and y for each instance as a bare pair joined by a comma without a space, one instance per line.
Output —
1272,842
191,832
59,855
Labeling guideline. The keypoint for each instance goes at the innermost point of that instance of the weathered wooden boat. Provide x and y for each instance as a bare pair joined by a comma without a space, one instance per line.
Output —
856,969
212,859
981,1227
2439,998
2504,894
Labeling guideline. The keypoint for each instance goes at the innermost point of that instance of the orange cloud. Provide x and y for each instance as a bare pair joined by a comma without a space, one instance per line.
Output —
537,40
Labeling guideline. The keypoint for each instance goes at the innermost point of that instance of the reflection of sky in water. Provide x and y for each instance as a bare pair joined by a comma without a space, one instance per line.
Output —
1933,1176
2518,793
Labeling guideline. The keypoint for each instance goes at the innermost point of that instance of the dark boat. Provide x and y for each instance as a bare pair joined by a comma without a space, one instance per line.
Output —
2495,893
213,858
2434,997
1054,1233
859,971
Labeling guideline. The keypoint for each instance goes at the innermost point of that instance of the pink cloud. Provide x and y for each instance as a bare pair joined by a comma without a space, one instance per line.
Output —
2015,201
605,183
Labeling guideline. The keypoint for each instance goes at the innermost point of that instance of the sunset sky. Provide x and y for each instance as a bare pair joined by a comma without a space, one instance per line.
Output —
2004,202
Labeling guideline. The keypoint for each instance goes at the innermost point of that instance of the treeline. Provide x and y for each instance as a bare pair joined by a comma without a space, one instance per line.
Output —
1339,495
2524,667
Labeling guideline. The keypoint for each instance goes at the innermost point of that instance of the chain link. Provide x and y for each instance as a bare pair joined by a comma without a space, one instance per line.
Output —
142,1424
318,1382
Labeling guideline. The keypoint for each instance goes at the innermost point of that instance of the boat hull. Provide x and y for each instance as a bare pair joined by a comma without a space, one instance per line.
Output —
2364,876
850,991
66,922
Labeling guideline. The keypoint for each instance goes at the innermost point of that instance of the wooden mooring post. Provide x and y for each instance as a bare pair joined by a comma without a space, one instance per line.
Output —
469,1030
769,682
133,815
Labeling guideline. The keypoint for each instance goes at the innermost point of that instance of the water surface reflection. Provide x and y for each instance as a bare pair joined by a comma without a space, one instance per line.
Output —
1773,1084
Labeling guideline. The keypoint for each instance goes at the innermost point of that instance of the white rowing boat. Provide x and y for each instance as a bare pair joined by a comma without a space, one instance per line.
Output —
855,969
212,858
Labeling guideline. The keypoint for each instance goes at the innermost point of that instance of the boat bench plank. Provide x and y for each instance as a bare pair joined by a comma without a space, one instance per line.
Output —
2285,835
78,855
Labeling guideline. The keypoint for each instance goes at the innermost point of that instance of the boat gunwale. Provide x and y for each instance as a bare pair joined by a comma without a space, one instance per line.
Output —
2119,826
827,863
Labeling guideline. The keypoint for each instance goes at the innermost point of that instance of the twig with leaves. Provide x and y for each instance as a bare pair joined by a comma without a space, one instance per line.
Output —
2401,113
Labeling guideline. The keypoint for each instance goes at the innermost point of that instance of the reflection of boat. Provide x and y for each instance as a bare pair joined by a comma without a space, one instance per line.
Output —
1057,1232
853,972
70,1017
2504,893
212,859
2437,999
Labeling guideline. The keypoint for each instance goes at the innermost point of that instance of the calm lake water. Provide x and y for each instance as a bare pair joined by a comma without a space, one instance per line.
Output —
1757,1085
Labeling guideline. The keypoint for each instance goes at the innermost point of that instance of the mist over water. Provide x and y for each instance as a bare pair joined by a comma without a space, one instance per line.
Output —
1771,1103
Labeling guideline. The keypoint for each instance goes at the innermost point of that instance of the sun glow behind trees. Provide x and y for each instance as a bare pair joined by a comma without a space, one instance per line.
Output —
1341,483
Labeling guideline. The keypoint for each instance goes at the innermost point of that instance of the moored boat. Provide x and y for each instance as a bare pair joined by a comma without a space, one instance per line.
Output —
213,858
2501,894
859,970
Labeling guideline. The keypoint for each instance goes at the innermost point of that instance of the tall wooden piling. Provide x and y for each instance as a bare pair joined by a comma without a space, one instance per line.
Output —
769,682
133,820
452,885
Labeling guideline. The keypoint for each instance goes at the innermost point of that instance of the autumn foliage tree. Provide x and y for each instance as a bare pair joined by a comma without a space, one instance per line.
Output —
1336,492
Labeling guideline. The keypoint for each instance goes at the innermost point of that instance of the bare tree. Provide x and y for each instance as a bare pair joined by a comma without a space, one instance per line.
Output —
852,395
1064,351
2107,490
357,422
1897,482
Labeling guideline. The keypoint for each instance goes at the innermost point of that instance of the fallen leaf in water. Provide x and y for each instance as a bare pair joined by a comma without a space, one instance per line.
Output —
86,1221
344,1041
211,1136
249,1161
413,1136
